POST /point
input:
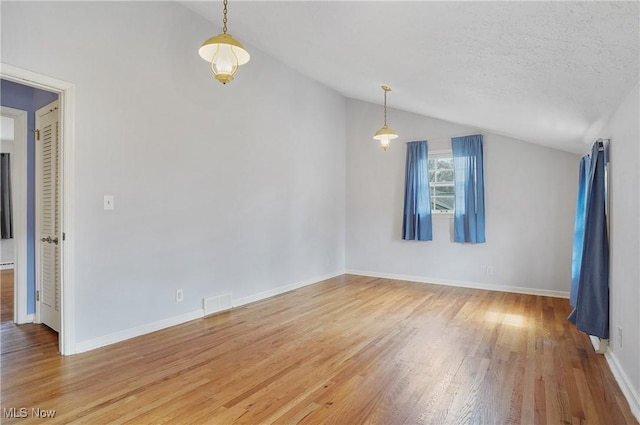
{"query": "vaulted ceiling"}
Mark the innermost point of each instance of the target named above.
(546, 72)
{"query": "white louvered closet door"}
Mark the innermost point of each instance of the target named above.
(48, 215)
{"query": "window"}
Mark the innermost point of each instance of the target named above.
(441, 182)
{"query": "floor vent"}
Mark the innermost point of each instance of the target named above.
(599, 345)
(6, 266)
(217, 304)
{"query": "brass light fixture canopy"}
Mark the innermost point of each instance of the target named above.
(385, 134)
(224, 53)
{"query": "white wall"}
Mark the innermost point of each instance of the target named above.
(6, 128)
(530, 195)
(7, 247)
(624, 354)
(237, 188)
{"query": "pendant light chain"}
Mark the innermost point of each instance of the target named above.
(224, 20)
(385, 108)
(385, 134)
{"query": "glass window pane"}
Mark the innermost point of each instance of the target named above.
(443, 190)
(439, 205)
(445, 163)
(444, 176)
(441, 179)
(443, 203)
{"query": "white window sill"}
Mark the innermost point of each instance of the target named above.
(442, 214)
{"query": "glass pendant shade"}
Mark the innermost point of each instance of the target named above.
(225, 54)
(385, 135)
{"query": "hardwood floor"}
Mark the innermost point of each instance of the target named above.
(6, 295)
(20, 338)
(349, 350)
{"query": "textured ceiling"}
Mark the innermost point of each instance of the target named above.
(545, 72)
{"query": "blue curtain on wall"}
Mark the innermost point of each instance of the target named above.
(416, 221)
(591, 312)
(578, 231)
(468, 219)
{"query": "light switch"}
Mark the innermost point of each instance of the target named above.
(108, 202)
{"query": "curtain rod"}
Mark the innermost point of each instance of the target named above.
(448, 138)
(604, 142)
(607, 141)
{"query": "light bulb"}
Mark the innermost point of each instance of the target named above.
(385, 142)
(224, 63)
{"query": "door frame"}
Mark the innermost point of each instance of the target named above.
(19, 195)
(66, 92)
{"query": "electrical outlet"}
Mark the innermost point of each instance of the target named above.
(179, 296)
(620, 336)
(489, 270)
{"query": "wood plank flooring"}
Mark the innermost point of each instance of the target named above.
(20, 338)
(6, 295)
(349, 350)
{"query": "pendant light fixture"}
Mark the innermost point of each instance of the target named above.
(385, 134)
(224, 53)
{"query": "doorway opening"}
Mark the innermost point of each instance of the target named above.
(26, 297)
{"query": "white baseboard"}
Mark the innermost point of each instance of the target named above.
(92, 344)
(282, 289)
(464, 284)
(7, 266)
(28, 318)
(630, 393)
(112, 338)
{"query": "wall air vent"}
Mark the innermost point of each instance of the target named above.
(217, 304)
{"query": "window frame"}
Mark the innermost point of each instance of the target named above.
(435, 154)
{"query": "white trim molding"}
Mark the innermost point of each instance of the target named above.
(624, 382)
(27, 318)
(125, 334)
(19, 182)
(464, 284)
(146, 328)
(282, 289)
(8, 265)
